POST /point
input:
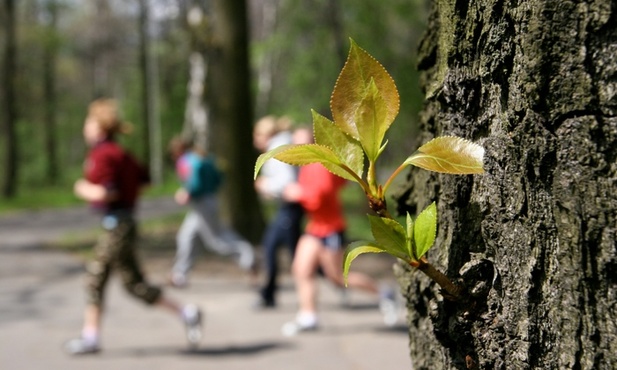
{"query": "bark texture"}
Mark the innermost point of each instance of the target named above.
(533, 239)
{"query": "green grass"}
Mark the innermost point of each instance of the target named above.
(44, 197)
(33, 198)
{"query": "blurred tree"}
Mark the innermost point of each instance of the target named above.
(296, 62)
(9, 109)
(196, 115)
(229, 98)
(151, 132)
(50, 12)
(533, 239)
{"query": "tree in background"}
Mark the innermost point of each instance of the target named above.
(151, 132)
(298, 48)
(196, 121)
(9, 106)
(49, 87)
(229, 97)
(532, 240)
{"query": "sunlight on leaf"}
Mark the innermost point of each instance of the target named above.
(347, 149)
(409, 239)
(351, 86)
(369, 121)
(389, 234)
(355, 249)
(300, 155)
(425, 230)
(449, 154)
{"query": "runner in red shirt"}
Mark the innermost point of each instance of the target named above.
(323, 242)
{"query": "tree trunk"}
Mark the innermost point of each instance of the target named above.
(8, 115)
(151, 134)
(49, 88)
(533, 239)
(196, 122)
(232, 117)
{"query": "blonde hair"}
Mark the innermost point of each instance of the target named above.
(105, 112)
(178, 145)
(271, 125)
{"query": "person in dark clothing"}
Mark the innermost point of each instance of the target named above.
(285, 228)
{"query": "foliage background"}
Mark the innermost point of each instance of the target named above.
(294, 46)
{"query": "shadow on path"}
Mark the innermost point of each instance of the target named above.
(211, 351)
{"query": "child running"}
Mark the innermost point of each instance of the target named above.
(201, 180)
(322, 244)
(111, 183)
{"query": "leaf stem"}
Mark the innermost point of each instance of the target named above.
(372, 179)
(359, 180)
(393, 176)
(455, 291)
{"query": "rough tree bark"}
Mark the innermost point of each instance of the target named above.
(533, 239)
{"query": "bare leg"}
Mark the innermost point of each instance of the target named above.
(170, 305)
(92, 322)
(332, 265)
(303, 268)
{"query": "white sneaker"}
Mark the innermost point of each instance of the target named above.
(293, 328)
(80, 346)
(177, 280)
(389, 307)
(191, 315)
(246, 258)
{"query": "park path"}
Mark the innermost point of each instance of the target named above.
(41, 301)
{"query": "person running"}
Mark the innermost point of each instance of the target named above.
(111, 184)
(285, 227)
(201, 180)
(322, 244)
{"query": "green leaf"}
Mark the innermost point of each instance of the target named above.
(355, 249)
(347, 149)
(425, 230)
(300, 155)
(449, 154)
(389, 234)
(351, 89)
(370, 121)
(263, 158)
(409, 239)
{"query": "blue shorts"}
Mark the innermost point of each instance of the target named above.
(334, 242)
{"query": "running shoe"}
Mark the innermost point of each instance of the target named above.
(80, 346)
(389, 307)
(192, 320)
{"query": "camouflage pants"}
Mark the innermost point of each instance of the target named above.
(115, 250)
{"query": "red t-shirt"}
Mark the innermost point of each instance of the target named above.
(109, 165)
(320, 200)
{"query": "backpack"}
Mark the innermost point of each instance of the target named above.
(210, 174)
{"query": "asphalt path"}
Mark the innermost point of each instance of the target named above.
(42, 299)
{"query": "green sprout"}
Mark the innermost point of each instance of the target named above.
(364, 103)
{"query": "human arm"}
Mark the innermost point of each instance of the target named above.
(275, 176)
(182, 196)
(92, 192)
(314, 183)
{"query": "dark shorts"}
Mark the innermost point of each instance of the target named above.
(333, 242)
(115, 250)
